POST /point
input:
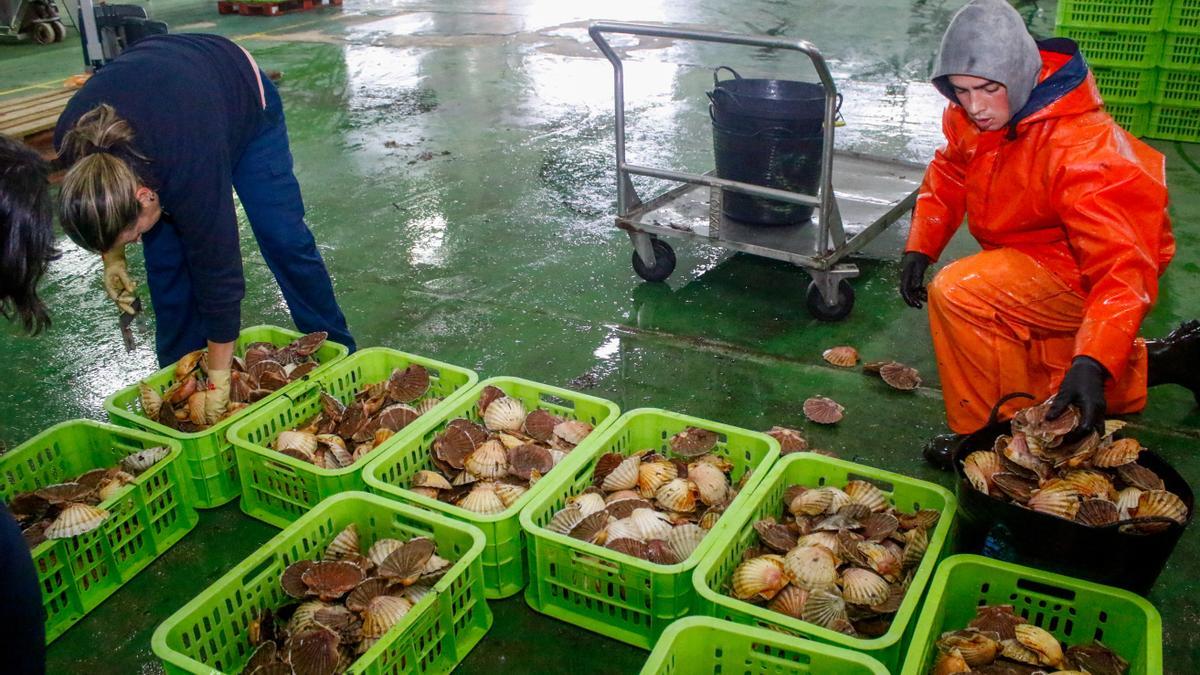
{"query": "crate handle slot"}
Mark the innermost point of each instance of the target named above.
(252, 578)
(556, 400)
(1046, 589)
(589, 560)
(281, 468)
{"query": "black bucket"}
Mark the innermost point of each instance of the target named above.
(767, 132)
(1106, 555)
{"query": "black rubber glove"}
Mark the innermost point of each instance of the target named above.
(1082, 387)
(912, 278)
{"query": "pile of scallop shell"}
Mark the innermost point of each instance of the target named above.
(999, 642)
(485, 468)
(839, 558)
(343, 604)
(264, 369)
(341, 435)
(1096, 481)
(72, 508)
(653, 506)
(895, 374)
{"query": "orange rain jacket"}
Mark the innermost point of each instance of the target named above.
(1067, 186)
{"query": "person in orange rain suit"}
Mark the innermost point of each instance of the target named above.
(1070, 211)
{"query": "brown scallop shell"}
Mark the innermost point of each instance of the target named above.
(789, 602)
(526, 458)
(406, 563)
(1138, 476)
(590, 528)
(775, 536)
(489, 394)
(633, 547)
(301, 370)
(408, 385)
(658, 551)
(823, 410)
(879, 526)
(790, 440)
(1015, 486)
(1097, 513)
(540, 424)
(454, 445)
(605, 465)
(1117, 453)
(331, 579)
(269, 374)
(63, 493)
(363, 593)
(307, 345)
(623, 508)
(1161, 504)
(395, 417)
(291, 579)
(999, 619)
(693, 442)
(314, 652)
(843, 357)
(353, 418)
(900, 376)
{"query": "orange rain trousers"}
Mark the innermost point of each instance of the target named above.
(1002, 323)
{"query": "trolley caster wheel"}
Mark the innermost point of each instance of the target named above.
(664, 262)
(824, 311)
(60, 31)
(43, 34)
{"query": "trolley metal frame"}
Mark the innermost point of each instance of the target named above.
(877, 191)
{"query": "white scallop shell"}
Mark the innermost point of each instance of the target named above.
(483, 498)
(504, 414)
(710, 481)
(624, 477)
(75, 520)
(489, 461)
(588, 503)
(683, 540)
(650, 524)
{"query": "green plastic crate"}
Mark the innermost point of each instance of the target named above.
(1174, 123)
(908, 494)
(276, 488)
(1147, 16)
(1075, 611)
(1132, 117)
(208, 635)
(146, 519)
(1118, 49)
(1184, 17)
(612, 593)
(1125, 85)
(1178, 88)
(504, 568)
(701, 644)
(1180, 51)
(208, 455)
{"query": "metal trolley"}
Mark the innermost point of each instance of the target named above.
(871, 193)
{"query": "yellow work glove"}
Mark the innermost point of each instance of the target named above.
(117, 284)
(216, 400)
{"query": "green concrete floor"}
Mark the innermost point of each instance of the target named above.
(501, 255)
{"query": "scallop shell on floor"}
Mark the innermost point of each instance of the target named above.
(823, 410)
(843, 357)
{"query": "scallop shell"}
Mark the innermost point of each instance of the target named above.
(843, 357)
(111, 486)
(811, 567)
(344, 545)
(572, 431)
(395, 417)
(624, 528)
(150, 399)
(761, 577)
(291, 580)
(331, 579)
(540, 424)
(299, 441)
(779, 538)
(269, 374)
(588, 503)
(900, 376)
(1091, 484)
(879, 526)
(998, 619)
(1161, 504)
(304, 615)
(979, 467)
(504, 414)
(710, 481)
(62, 493)
(1097, 513)
(650, 524)
(415, 592)
(489, 461)
(824, 608)
(1138, 476)
(916, 542)
(623, 508)
(605, 465)
(693, 442)
(187, 363)
(1061, 501)
(430, 479)
(435, 568)
(627, 546)
(408, 385)
(427, 404)
(862, 492)
(75, 519)
(790, 440)
(489, 394)
(381, 549)
(1117, 453)
(624, 476)
(483, 499)
(314, 651)
(678, 495)
(828, 540)
(382, 613)
(683, 540)
(654, 475)
(864, 587)
(361, 596)
(1042, 643)
(976, 647)
(1127, 501)
(405, 564)
(456, 443)
(811, 502)
(526, 458)
(590, 528)
(1014, 486)
(882, 559)
(195, 408)
(509, 494)
(823, 410)
(789, 601)
(565, 520)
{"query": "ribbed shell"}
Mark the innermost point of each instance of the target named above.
(75, 520)
(711, 483)
(811, 567)
(483, 499)
(489, 461)
(842, 357)
(682, 540)
(624, 476)
(678, 495)
(864, 587)
(823, 410)
(344, 545)
(504, 414)
(650, 524)
(862, 492)
(654, 475)
(761, 577)
(382, 613)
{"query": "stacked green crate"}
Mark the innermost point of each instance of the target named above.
(1122, 41)
(1175, 113)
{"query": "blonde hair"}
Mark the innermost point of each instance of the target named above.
(98, 198)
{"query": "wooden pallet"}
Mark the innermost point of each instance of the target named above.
(28, 116)
(272, 8)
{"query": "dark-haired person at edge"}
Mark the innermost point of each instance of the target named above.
(26, 248)
(156, 143)
(1071, 213)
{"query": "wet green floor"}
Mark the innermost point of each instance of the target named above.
(501, 255)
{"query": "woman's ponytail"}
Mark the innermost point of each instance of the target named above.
(98, 199)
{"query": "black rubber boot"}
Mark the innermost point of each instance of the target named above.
(939, 450)
(1175, 359)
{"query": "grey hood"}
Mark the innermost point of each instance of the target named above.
(988, 39)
